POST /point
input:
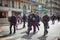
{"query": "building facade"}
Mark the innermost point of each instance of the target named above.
(19, 7)
(53, 6)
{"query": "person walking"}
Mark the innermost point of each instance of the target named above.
(18, 19)
(31, 22)
(45, 21)
(53, 19)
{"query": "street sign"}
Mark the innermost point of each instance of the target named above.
(39, 7)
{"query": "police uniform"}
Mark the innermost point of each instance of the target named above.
(31, 22)
(45, 22)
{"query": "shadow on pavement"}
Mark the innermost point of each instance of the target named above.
(19, 29)
(26, 31)
(28, 37)
(6, 35)
(23, 32)
(42, 38)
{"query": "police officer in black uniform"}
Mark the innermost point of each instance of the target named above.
(45, 21)
(31, 22)
(13, 21)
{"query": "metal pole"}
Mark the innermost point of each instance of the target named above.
(51, 7)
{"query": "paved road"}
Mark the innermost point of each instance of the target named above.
(54, 33)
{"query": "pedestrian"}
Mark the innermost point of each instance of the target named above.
(31, 22)
(24, 20)
(13, 21)
(45, 21)
(18, 19)
(53, 19)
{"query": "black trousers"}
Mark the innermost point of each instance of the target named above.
(53, 21)
(37, 25)
(23, 24)
(30, 27)
(11, 25)
(45, 31)
(46, 26)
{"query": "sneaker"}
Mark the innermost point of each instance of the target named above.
(45, 34)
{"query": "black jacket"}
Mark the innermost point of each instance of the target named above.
(45, 19)
(13, 20)
(33, 18)
(24, 17)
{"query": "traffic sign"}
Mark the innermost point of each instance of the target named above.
(39, 7)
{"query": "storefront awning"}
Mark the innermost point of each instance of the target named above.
(3, 11)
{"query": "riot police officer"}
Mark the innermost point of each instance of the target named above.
(45, 21)
(31, 22)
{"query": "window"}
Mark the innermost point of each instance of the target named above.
(2, 15)
(29, 0)
(0, 2)
(28, 7)
(31, 7)
(19, 4)
(6, 3)
(24, 7)
(12, 3)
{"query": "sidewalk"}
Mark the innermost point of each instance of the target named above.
(4, 24)
(53, 34)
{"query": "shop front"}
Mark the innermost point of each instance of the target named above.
(3, 16)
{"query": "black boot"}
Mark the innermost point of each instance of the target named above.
(27, 33)
(33, 32)
(10, 33)
(45, 33)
